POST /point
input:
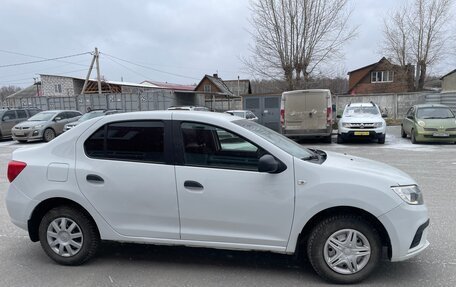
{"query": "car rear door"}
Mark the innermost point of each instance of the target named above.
(125, 170)
(223, 199)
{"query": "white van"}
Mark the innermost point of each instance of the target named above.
(307, 113)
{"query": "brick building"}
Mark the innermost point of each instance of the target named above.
(381, 77)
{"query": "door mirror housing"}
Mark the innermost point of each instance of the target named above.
(384, 115)
(56, 119)
(339, 116)
(410, 117)
(267, 163)
(5, 118)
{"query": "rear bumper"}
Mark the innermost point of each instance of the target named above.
(302, 133)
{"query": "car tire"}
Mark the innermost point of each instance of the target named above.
(68, 235)
(327, 139)
(403, 134)
(381, 140)
(331, 235)
(48, 135)
(340, 139)
(412, 137)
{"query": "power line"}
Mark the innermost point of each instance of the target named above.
(44, 60)
(150, 68)
(131, 70)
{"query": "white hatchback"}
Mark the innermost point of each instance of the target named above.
(212, 180)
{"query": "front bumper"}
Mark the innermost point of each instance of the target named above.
(362, 134)
(27, 135)
(407, 227)
(433, 136)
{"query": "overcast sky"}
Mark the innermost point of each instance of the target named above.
(175, 41)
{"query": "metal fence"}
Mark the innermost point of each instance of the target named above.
(146, 101)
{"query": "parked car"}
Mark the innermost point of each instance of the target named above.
(361, 120)
(307, 113)
(243, 114)
(90, 115)
(11, 117)
(45, 125)
(188, 108)
(240, 186)
(429, 123)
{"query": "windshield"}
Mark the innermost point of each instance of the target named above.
(277, 139)
(91, 115)
(354, 111)
(434, 113)
(43, 116)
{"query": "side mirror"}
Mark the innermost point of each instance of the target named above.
(339, 116)
(267, 163)
(384, 115)
(410, 117)
(5, 118)
(57, 119)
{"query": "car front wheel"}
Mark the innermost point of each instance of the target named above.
(48, 135)
(68, 235)
(344, 249)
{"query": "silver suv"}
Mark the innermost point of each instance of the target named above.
(11, 117)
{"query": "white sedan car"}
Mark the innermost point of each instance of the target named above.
(212, 180)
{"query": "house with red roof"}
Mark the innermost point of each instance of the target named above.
(381, 77)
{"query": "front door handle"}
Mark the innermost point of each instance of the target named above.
(193, 185)
(93, 178)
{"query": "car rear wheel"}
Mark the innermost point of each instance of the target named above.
(344, 249)
(68, 236)
(403, 134)
(48, 135)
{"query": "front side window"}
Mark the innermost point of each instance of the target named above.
(9, 115)
(210, 146)
(130, 141)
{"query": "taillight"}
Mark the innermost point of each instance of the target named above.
(329, 116)
(14, 169)
(282, 116)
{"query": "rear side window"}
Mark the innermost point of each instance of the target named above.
(21, 114)
(131, 141)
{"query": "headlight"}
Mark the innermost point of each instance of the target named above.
(421, 123)
(378, 125)
(409, 193)
(38, 126)
(346, 125)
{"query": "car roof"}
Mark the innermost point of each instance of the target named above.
(361, 105)
(190, 115)
(232, 111)
(431, 106)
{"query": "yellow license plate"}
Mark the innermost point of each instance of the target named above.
(361, 133)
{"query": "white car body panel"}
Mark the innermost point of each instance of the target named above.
(241, 210)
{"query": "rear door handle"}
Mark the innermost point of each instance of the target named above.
(93, 178)
(193, 185)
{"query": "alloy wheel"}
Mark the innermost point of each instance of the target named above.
(64, 237)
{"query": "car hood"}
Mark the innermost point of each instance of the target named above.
(439, 123)
(366, 168)
(29, 124)
(362, 118)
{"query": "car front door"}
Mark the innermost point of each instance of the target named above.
(408, 122)
(126, 172)
(223, 199)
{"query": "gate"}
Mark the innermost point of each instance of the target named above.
(266, 108)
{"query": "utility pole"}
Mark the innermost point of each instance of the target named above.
(96, 54)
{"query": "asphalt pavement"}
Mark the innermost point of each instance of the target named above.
(23, 263)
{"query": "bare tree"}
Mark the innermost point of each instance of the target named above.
(418, 33)
(6, 91)
(293, 37)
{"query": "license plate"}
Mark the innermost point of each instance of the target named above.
(361, 133)
(442, 135)
(19, 133)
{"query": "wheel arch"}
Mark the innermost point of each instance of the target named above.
(341, 210)
(43, 207)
